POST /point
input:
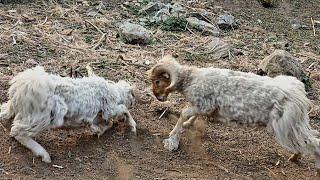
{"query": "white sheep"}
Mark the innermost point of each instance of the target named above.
(280, 103)
(39, 101)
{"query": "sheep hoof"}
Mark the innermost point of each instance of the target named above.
(172, 143)
(46, 159)
(294, 157)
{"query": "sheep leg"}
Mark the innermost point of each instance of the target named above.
(186, 114)
(123, 110)
(190, 122)
(35, 147)
(105, 128)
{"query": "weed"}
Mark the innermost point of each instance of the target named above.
(174, 23)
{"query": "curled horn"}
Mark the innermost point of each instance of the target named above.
(166, 68)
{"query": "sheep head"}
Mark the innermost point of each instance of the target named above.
(127, 93)
(164, 77)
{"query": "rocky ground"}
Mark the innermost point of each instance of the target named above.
(122, 40)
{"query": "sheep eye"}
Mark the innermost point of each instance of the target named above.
(157, 82)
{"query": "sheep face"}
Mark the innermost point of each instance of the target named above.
(164, 77)
(159, 86)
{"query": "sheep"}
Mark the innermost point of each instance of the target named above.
(279, 103)
(39, 101)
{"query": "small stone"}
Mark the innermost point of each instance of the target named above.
(31, 62)
(161, 15)
(227, 22)
(134, 33)
(176, 8)
(281, 62)
(147, 62)
(137, 4)
(203, 26)
(259, 21)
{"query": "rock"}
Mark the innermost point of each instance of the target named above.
(220, 49)
(203, 15)
(143, 21)
(176, 9)
(134, 33)
(296, 24)
(227, 22)
(281, 62)
(151, 7)
(31, 62)
(203, 26)
(161, 15)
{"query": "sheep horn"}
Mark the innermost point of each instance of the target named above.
(160, 69)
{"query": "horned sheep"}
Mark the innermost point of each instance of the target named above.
(279, 103)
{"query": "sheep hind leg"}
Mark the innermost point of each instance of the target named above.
(190, 122)
(35, 147)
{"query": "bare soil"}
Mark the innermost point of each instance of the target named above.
(60, 37)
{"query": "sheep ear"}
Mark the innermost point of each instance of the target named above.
(166, 75)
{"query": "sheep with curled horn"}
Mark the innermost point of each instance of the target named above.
(279, 103)
(39, 101)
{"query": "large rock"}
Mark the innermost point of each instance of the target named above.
(281, 62)
(203, 26)
(227, 22)
(134, 33)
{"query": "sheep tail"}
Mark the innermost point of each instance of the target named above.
(292, 129)
(6, 115)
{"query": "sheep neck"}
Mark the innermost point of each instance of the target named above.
(184, 78)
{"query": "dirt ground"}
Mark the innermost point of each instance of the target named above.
(63, 36)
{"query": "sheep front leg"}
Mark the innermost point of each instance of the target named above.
(35, 147)
(172, 143)
(190, 122)
(187, 114)
(123, 110)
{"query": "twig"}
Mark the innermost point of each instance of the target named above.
(174, 170)
(9, 151)
(222, 168)
(57, 166)
(311, 65)
(103, 37)
(94, 26)
(4, 128)
(314, 30)
(162, 114)
(44, 22)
